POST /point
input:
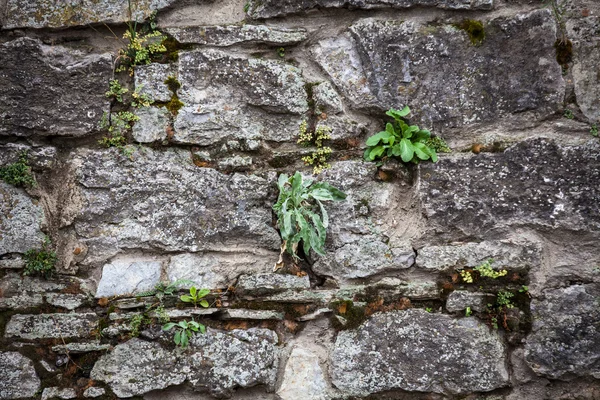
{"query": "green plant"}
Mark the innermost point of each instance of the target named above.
(438, 144)
(429, 309)
(503, 299)
(161, 290)
(468, 312)
(494, 322)
(568, 114)
(184, 331)
(116, 91)
(143, 46)
(135, 324)
(400, 140)
(40, 262)
(466, 276)
(594, 130)
(474, 29)
(486, 271)
(161, 314)
(18, 173)
(318, 158)
(297, 215)
(524, 289)
(196, 297)
(281, 52)
(117, 125)
(246, 7)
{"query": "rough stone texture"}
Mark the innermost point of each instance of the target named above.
(385, 64)
(277, 8)
(37, 157)
(230, 97)
(566, 332)
(19, 293)
(152, 125)
(150, 80)
(235, 34)
(261, 284)
(326, 99)
(52, 14)
(459, 300)
(93, 392)
(49, 326)
(137, 367)
(362, 242)
(78, 348)
(534, 183)
(214, 270)
(505, 255)
(418, 351)
(239, 313)
(224, 361)
(125, 205)
(303, 377)
(21, 220)
(585, 33)
(56, 91)
(66, 300)
(128, 276)
(56, 392)
(217, 361)
(19, 380)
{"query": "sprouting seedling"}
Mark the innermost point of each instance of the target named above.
(185, 330)
(196, 297)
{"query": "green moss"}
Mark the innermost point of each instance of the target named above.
(173, 84)
(474, 29)
(174, 105)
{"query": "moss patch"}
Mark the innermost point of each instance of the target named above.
(173, 84)
(474, 29)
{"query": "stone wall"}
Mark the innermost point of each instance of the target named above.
(386, 312)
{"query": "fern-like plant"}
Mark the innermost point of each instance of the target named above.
(301, 215)
(399, 139)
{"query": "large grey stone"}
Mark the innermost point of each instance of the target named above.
(58, 393)
(232, 97)
(506, 255)
(128, 276)
(585, 33)
(19, 380)
(534, 183)
(303, 377)
(415, 350)
(566, 332)
(37, 157)
(161, 200)
(224, 361)
(459, 300)
(361, 238)
(228, 35)
(261, 284)
(152, 125)
(59, 14)
(55, 91)
(441, 75)
(277, 8)
(137, 367)
(214, 270)
(49, 326)
(21, 220)
(150, 80)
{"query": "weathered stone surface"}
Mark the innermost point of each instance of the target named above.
(459, 300)
(383, 64)
(16, 294)
(586, 56)
(214, 270)
(303, 377)
(21, 220)
(418, 351)
(235, 34)
(125, 205)
(362, 242)
(152, 125)
(150, 80)
(137, 367)
(277, 8)
(261, 284)
(239, 313)
(230, 97)
(56, 392)
(505, 255)
(128, 276)
(93, 392)
(536, 182)
(78, 348)
(66, 300)
(57, 91)
(37, 157)
(566, 332)
(223, 361)
(19, 380)
(326, 99)
(52, 14)
(48, 326)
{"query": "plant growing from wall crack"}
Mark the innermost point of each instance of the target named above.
(184, 331)
(301, 216)
(18, 173)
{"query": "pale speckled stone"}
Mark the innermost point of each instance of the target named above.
(228, 35)
(19, 379)
(303, 377)
(152, 125)
(128, 276)
(261, 284)
(21, 220)
(93, 392)
(150, 80)
(58, 393)
(238, 313)
(51, 326)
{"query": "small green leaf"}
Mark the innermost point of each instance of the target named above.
(203, 293)
(183, 324)
(168, 326)
(202, 329)
(406, 150)
(204, 303)
(177, 337)
(434, 156)
(324, 214)
(193, 291)
(421, 150)
(185, 298)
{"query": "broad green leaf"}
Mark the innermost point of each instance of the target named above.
(324, 214)
(204, 303)
(307, 182)
(297, 184)
(183, 324)
(184, 340)
(422, 134)
(421, 151)
(396, 150)
(322, 194)
(376, 138)
(389, 128)
(177, 337)
(186, 298)
(406, 150)
(168, 326)
(283, 178)
(202, 329)
(398, 114)
(434, 156)
(366, 154)
(193, 291)
(335, 192)
(376, 152)
(203, 292)
(193, 324)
